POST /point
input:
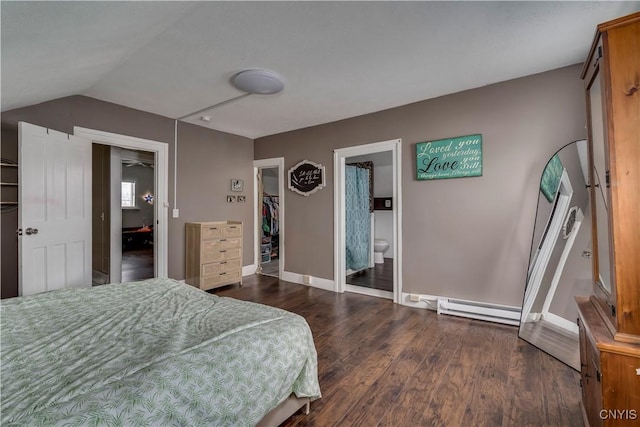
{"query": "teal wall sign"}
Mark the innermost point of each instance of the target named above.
(449, 158)
(551, 175)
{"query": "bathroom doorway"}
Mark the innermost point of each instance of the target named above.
(369, 223)
(269, 224)
(367, 212)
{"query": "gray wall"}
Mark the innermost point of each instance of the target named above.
(207, 160)
(468, 237)
(143, 213)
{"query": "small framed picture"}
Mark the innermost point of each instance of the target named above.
(242, 199)
(231, 199)
(237, 185)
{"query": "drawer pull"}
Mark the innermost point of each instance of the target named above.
(233, 226)
(223, 240)
(223, 262)
(213, 228)
(222, 274)
(223, 251)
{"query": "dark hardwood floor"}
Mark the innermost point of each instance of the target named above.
(379, 277)
(271, 268)
(558, 342)
(137, 264)
(382, 364)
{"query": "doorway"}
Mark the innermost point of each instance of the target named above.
(369, 279)
(137, 194)
(149, 227)
(122, 193)
(269, 216)
(369, 223)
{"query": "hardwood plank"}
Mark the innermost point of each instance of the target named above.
(388, 388)
(378, 277)
(409, 408)
(388, 365)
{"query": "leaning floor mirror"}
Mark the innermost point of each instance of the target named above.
(559, 264)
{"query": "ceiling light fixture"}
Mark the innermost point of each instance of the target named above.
(258, 81)
(253, 81)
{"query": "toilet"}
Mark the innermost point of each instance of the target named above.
(379, 248)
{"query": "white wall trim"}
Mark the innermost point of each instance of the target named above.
(339, 156)
(275, 162)
(115, 225)
(561, 322)
(249, 270)
(498, 313)
(561, 263)
(315, 282)
(161, 151)
(369, 291)
(542, 257)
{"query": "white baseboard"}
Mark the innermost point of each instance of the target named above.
(316, 282)
(368, 291)
(561, 322)
(249, 270)
(490, 312)
(533, 317)
(429, 302)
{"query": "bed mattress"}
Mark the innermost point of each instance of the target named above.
(156, 352)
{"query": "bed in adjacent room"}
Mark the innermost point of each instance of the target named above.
(156, 352)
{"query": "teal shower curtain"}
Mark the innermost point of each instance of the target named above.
(358, 218)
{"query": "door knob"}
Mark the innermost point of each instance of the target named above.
(29, 231)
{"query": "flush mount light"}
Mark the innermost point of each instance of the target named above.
(262, 82)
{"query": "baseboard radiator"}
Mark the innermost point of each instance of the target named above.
(505, 314)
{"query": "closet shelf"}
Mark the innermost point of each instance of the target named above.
(9, 206)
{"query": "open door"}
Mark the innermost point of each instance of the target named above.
(54, 223)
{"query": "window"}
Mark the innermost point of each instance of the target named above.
(128, 194)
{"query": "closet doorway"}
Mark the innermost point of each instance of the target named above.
(368, 254)
(269, 224)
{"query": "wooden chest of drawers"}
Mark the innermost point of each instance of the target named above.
(213, 253)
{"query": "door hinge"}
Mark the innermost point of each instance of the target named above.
(607, 179)
(613, 310)
(19, 231)
(598, 56)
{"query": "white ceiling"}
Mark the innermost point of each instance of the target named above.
(338, 59)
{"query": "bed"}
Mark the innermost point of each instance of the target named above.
(156, 352)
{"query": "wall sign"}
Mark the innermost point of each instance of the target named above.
(551, 176)
(449, 158)
(306, 177)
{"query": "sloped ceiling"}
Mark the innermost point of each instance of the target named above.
(338, 59)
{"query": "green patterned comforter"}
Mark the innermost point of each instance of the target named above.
(151, 353)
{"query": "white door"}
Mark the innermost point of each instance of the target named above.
(55, 210)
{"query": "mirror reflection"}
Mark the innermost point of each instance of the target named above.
(560, 261)
(599, 178)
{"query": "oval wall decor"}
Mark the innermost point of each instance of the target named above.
(306, 177)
